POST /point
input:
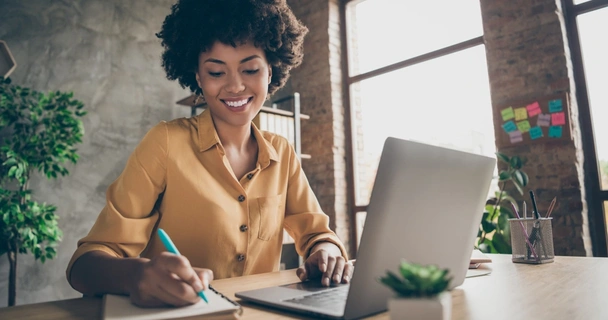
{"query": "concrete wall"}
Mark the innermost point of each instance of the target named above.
(105, 51)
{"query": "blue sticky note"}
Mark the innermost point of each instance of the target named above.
(555, 131)
(509, 126)
(555, 105)
(536, 132)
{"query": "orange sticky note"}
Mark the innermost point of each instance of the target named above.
(558, 118)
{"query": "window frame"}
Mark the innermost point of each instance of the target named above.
(595, 196)
(348, 80)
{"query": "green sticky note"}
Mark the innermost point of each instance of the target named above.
(507, 114)
(536, 132)
(509, 126)
(523, 126)
(555, 132)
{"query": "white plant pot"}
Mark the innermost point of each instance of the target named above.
(435, 308)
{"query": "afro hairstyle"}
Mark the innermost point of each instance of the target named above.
(194, 26)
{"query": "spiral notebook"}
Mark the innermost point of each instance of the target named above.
(120, 307)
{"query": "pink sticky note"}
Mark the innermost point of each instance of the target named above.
(533, 109)
(558, 119)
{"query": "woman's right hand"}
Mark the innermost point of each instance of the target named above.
(168, 279)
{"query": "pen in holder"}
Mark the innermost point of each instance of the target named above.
(532, 240)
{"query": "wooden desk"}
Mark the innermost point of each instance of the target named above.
(569, 288)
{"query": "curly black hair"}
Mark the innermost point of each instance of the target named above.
(193, 26)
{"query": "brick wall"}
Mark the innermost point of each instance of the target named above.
(528, 57)
(319, 81)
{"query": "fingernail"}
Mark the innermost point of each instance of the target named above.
(197, 286)
(337, 278)
(346, 278)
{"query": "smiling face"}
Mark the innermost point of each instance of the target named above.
(234, 81)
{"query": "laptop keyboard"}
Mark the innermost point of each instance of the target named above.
(327, 299)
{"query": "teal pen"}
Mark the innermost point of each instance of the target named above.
(164, 237)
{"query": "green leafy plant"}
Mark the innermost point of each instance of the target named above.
(39, 132)
(417, 280)
(494, 235)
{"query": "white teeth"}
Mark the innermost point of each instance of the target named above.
(237, 103)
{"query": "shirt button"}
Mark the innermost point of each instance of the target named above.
(250, 176)
(240, 257)
(241, 198)
(243, 228)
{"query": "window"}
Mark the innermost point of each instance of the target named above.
(417, 70)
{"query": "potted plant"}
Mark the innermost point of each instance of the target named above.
(494, 235)
(420, 292)
(38, 132)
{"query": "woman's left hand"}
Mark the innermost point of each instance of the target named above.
(327, 263)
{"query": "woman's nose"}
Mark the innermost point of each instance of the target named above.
(235, 84)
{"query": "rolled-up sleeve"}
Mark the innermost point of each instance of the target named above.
(125, 224)
(305, 221)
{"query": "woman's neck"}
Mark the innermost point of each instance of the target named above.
(234, 138)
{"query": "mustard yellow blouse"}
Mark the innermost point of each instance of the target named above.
(179, 179)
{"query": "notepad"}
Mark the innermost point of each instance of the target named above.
(477, 258)
(120, 307)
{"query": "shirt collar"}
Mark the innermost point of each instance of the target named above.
(207, 138)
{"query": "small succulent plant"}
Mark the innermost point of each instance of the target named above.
(417, 280)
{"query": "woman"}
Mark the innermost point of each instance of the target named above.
(218, 186)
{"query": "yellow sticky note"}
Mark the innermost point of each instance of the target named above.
(521, 114)
(523, 126)
(507, 114)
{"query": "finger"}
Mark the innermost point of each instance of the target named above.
(338, 270)
(206, 276)
(348, 273)
(301, 273)
(180, 266)
(176, 293)
(329, 271)
(322, 261)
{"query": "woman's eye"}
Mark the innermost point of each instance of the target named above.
(215, 74)
(252, 71)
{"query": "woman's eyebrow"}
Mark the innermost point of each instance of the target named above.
(222, 62)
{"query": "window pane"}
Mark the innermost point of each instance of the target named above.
(579, 1)
(592, 27)
(382, 32)
(445, 101)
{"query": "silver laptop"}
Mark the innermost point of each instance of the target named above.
(426, 206)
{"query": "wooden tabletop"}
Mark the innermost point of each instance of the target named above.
(569, 288)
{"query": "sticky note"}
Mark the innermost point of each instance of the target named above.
(536, 132)
(555, 132)
(523, 126)
(509, 126)
(533, 109)
(555, 105)
(521, 114)
(558, 119)
(543, 120)
(516, 136)
(507, 114)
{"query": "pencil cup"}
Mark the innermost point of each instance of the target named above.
(532, 240)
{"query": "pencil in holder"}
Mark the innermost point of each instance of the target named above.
(532, 240)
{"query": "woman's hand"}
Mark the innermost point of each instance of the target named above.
(168, 279)
(327, 263)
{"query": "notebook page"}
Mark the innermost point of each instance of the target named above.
(120, 307)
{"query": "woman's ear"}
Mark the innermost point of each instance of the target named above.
(198, 80)
(269, 74)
